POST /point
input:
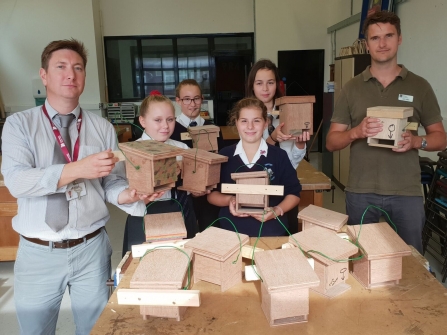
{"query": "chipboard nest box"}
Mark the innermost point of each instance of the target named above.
(204, 137)
(252, 191)
(215, 252)
(162, 269)
(383, 252)
(332, 274)
(164, 227)
(395, 122)
(286, 278)
(157, 165)
(201, 170)
(297, 114)
(314, 215)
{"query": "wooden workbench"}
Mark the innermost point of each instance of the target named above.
(417, 305)
(9, 239)
(313, 183)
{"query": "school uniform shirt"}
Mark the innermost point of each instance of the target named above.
(295, 154)
(281, 172)
(167, 194)
(182, 124)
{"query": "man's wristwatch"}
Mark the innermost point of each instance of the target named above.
(423, 143)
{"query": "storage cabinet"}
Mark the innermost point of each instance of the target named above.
(345, 69)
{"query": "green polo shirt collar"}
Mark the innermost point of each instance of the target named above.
(367, 73)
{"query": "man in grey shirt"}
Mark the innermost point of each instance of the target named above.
(57, 162)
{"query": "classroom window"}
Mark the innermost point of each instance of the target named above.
(137, 65)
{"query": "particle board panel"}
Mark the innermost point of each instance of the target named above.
(379, 240)
(326, 242)
(163, 312)
(323, 217)
(217, 243)
(156, 162)
(204, 137)
(162, 269)
(8, 236)
(285, 269)
(296, 113)
(383, 270)
(8, 209)
(165, 226)
(389, 112)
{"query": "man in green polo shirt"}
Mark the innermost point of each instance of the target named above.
(386, 178)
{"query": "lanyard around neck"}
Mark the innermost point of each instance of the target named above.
(60, 140)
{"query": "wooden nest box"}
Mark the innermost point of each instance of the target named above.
(252, 191)
(164, 270)
(314, 215)
(204, 137)
(383, 252)
(164, 226)
(215, 252)
(286, 278)
(201, 170)
(297, 114)
(395, 122)
(332, 274)
(157, 165)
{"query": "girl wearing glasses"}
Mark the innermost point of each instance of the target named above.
(253, 153)
(189, 98)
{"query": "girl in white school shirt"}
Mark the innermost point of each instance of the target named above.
(251, 154)
(263, 83)
(157, 116)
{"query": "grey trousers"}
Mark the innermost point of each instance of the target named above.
(406, 212)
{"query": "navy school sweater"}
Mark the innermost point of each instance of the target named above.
(281, 173)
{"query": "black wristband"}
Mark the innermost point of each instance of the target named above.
(273, 139)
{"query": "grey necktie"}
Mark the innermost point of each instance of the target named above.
(56, 215)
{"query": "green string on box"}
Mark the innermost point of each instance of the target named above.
(179, 249)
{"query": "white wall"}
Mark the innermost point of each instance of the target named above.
(26, 27)
(166, 17)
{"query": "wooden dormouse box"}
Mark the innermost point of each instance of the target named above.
(332, 274)
(297, 114)
(162, 269)
(164, 226)
(286, 278)
(157, 165)
(215, 253)
(314, 215)
(204, 137)
(395, 122)
(252, 190)
(382, 261)
(201, 170)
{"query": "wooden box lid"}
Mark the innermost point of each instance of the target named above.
(151, 149)
(164, 226)
(204, 156)
(162, 268)
(379, 240)
(325, 241)
(390, 112)
(203, 129)
(216, 243)
(245, 175)
(323, 217)
(302, 99)
(285, 269)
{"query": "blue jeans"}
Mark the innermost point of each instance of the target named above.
(406, 212)
(42, 274)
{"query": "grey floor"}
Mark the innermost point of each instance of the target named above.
(115, 229)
